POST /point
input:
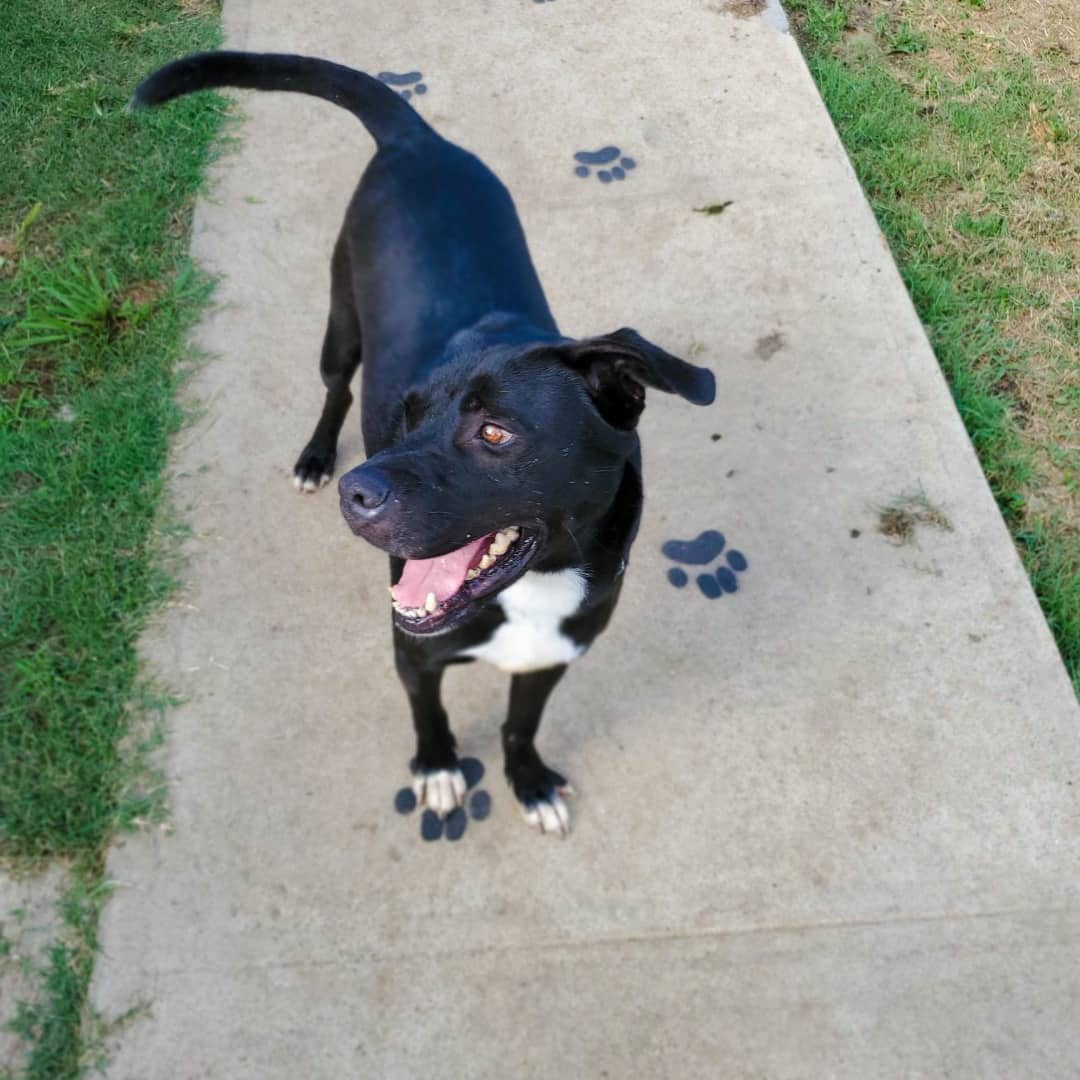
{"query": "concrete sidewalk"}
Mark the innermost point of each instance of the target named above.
(879, 879)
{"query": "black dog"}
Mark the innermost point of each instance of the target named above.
(504, 469)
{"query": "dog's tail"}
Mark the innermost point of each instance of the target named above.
(386, 115)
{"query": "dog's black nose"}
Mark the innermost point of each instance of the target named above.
(365, 493)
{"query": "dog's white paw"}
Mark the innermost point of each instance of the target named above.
(540, 793)
(308, 484)
(551, 815)
(314, 467)
(441, 790)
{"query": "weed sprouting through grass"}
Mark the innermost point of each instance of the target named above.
(75, 305)
(822, 22)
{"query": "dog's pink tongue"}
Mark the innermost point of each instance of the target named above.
(442, 576)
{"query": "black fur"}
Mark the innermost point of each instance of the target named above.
(434, 290)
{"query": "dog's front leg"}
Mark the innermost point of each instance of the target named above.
(437, 780)
(538, 789)
(341, 356)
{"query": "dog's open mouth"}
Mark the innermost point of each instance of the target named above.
(434, 594)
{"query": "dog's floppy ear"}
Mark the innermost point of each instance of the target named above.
(617, 367)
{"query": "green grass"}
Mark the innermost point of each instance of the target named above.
(96, 296)
(93, 321)
(921, 143)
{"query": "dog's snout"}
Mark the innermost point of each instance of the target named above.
(365, 493)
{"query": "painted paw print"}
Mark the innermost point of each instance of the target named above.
(410, 82)
(704, 549)
(604, 156)
(453, 826)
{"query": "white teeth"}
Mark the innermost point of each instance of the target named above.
(498, 546)
(503, 539)
(410, 612)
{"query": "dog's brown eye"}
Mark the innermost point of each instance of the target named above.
(494, 435)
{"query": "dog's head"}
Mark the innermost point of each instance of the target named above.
(503, 456)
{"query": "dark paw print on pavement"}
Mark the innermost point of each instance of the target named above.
(586, 159)
(453, 826)
(408, 83)
(704, 549)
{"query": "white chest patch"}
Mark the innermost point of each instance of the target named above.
(530, 639)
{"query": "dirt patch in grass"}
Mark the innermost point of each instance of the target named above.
(1046, 32)
(9, 254)
(144, 293)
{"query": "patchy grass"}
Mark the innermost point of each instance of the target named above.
(52, 1026)
(962, 121)
(96, 296)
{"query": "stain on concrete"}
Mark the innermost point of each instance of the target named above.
(713, 209)
(905, 513)
(744, 9)
(770, 11)
(769, 345)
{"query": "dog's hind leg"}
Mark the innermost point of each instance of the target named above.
(539, 790)
(437, 780)
(341, 355)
